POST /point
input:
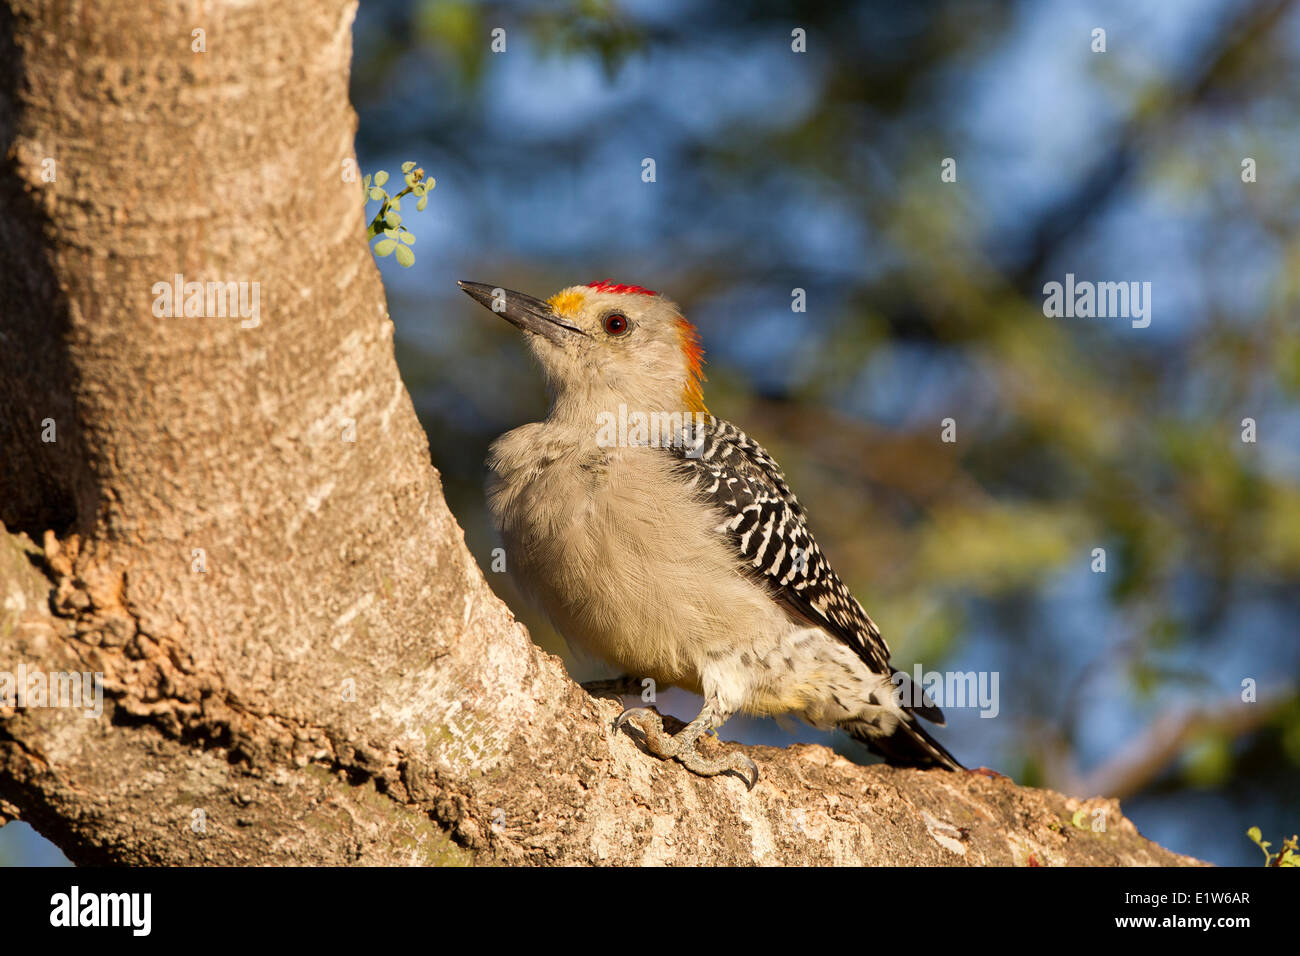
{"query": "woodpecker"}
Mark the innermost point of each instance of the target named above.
(688, 561)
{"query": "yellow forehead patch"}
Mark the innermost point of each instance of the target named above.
(567, 302)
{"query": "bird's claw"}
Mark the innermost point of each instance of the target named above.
(734, 763)
(682, 749)
(748, 770)
(631, 712)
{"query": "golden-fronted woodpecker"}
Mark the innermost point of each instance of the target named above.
(668, 543)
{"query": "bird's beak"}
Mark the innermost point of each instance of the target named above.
(529, 314)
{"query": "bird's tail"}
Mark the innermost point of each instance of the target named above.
(894, 730)
(907, 745)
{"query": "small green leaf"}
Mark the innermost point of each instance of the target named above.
(1255, 834)
(393, 219)
(408, 165)
(377, 194)
(396, 203)
(385, 247)
(390, 233)
(405, 257)
(365, 183)
(407, 237)
(381, 177)
(430, 183)
(424, 201)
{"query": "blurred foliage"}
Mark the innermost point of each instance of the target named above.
(820, 171)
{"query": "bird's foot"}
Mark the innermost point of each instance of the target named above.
(681, 747)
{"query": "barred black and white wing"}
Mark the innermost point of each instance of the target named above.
(768, 527)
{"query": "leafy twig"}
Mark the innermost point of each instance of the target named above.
(1289, 855)
(388, 221)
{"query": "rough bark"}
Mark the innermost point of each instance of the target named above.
(340, 685)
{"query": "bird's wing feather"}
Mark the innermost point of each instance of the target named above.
(766, 524)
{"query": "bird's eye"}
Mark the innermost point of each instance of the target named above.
(616, 323)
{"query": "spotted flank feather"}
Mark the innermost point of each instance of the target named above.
(768, 526)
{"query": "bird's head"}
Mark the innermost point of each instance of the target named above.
(606, 344)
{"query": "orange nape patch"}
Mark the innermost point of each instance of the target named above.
(567, 302)
(693, 392)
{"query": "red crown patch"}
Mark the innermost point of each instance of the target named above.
(605, 285)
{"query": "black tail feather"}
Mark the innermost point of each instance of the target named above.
(910, 745)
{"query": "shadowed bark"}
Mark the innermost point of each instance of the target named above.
(239, 526)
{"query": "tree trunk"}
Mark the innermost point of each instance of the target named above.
(238, 525)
